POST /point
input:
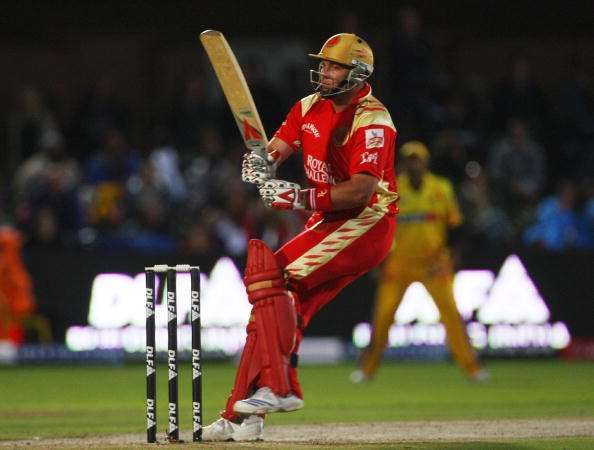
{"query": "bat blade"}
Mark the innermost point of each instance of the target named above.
(236, 90)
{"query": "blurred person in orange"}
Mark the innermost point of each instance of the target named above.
(17, 301)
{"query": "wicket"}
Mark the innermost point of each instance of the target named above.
(151, 380)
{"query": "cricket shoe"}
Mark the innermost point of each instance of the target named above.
(250, 429)
(265, 401)
(480, 376)
(358, 377)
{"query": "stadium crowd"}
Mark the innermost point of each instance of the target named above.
(520, 155)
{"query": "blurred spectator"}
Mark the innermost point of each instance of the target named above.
(519, 95)
(46, 193)
(557, 223)
(166, 166)
(105, 208)
(410, 70)
(209, 169)
(266, 96)
(450, 156)
(199, 237)
(114, 161)
(486, 223)
(99, 112)
(148, 202)
(49, 168)
(411, 52)
(575, 102)
(575, 122)
(455, 112)
(192, 110)
(237, 224)
(26, 125)
(106, 173)
(587, 213)
(516, 168)
(479, 107)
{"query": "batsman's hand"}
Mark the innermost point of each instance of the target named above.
(256, 169)
(281, 194)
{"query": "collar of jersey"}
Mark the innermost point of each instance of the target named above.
(364, 92)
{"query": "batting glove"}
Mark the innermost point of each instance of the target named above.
(280, 194)
(257, 169)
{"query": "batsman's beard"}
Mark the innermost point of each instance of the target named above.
(315, 78)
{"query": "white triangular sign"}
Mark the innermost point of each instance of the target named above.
(172, 374)
(150, 370)
(224, 298)
(418, 305)
(171, 316)
(513, 297)
(195, 315)
(172, 427)
(195, 374)
(149, 312)
(150, 422)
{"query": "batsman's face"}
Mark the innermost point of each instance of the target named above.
(332, 74)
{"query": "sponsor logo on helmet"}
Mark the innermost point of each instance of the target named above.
(333, 41)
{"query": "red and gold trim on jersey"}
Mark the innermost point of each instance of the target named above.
(323, 252)
(308, 102)
(370, 112)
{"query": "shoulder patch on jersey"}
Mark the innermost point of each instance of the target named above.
(308, 102)
(374, 137)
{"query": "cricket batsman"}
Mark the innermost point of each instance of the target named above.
(428, 213)
(347, 141)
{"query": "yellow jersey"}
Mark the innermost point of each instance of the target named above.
(425, 217)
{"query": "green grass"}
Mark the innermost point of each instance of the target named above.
(48, 402)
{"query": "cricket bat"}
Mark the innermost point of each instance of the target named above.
(236, 90)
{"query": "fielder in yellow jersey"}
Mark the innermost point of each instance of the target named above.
(428, 213)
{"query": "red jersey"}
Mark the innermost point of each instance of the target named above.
(337, 145)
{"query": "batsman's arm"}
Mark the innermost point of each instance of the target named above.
(278, 151)
(353, 193)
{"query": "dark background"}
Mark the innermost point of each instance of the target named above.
(469, 18)
(147, 47)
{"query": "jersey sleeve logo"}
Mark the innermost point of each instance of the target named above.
(369, 158)
(374, 138)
